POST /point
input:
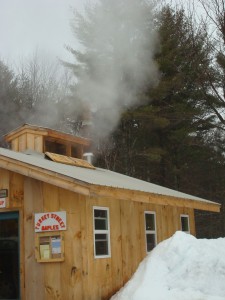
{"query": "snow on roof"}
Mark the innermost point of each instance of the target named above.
(180, 268)
(97, 176)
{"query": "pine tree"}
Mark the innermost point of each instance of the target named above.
(159, 136)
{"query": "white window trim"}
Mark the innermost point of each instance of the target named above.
(107, 231)
(150, 231)
(185, 216)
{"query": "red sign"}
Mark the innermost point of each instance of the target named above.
(2, 202)
(50, 221)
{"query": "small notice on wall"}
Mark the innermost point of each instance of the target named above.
(44, 251)
(49, 247)
(50, 221)
(3, 197)
(56, 246)
(2, 202)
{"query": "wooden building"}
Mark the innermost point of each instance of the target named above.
(69, 230)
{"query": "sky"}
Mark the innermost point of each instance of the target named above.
(28, 25)
(179, 268)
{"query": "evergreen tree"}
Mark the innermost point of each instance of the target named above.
(158, 136)
(174, 140)
(169, 135)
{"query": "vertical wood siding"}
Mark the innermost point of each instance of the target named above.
(81, 276)
(27, 141)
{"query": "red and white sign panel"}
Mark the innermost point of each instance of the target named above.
(2, 202)
(50, 221)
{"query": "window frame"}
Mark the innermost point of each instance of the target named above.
(188, 219)
(102, 231)
(152, 232)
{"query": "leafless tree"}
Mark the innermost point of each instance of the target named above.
(215, 12)
(44, 87)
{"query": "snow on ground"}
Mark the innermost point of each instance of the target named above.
(180, 268)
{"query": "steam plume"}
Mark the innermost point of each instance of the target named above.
(119, 42)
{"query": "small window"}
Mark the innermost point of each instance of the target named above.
(150, 230)
(101, 232)
(184, 220)
(55, 147)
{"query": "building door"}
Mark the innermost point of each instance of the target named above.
(9, 256)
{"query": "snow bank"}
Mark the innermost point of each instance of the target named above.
(180, 268)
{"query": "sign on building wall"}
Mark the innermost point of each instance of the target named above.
(3, 197)
(2, 202)
(50, 221)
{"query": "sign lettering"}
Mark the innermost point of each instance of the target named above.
(2, 202)
(51, 221)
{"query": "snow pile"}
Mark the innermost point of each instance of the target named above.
(180, 268)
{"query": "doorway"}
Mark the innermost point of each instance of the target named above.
(9, 256)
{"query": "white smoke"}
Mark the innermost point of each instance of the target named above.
(119, 43)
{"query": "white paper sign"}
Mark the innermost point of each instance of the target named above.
(56, 245)
(2, 202)
(50, 221)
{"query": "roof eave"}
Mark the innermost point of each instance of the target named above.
(153, 198)
(89, 189)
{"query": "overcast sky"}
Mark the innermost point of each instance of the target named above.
(27, 25)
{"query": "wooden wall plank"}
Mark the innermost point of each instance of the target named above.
(92, 290)
(30, 141)
(52, 271)
(130, 238)
(72, 268)
(170, 221)
(4, 179)
(15, 144)
(22, 142)
(84, 245)
(164, 217)
(34, 276)
(136, 234)
(38, 143)
(192, 222)
(159, 223)
(16, 193)
(22, 254)
(116, 274)
(176, 218)
(142, 246)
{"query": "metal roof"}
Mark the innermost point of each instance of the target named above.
(96, 176)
